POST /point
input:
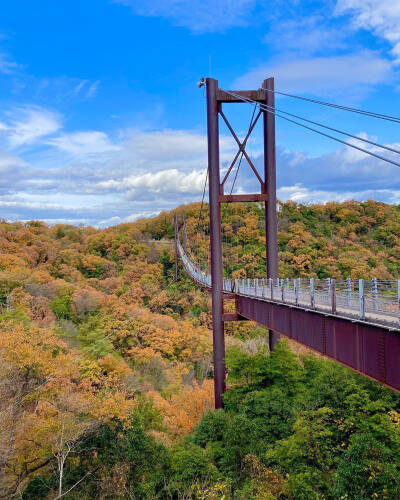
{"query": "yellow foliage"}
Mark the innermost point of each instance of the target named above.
(51, 397)
(182, 411)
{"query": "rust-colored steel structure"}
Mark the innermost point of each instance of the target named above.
(370, 347)
(215, 99)
(215, 240)
(271, 223)
(371, 350)
(176, 248)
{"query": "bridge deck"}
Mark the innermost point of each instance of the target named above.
(328, 323)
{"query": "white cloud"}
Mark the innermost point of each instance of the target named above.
(164, 181)
(306, 35)
(30, 204)
(92, 90)
(169, 144)
(200, 17)
(84, 143)
(112, 221)
(302, 194)
(62, 87)
(352, 155)
(26, 125)
(87, 177)
(79, 86)
(321, 74)
(380, 16)
(7, 66)
(168, 149)
(8, 161)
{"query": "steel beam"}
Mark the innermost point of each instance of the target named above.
(231, 198)
(271, 223)
(215, 240)
(230, 316)
(368, 349)
(255, 95)
(176, 246)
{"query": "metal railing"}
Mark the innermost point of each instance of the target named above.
(374, 301)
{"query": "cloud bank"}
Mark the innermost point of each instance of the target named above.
(380, 16)
(93, 178)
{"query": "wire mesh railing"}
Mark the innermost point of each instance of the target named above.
(375, 301)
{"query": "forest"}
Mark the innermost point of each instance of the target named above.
(106, 376)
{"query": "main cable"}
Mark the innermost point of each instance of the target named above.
(335, 130)
(338, 106)
(265, 108)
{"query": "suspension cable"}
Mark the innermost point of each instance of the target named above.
(338, 106)
(335, 130)
(201, 207)
(266, 108)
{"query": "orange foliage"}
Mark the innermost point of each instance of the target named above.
(182, 411)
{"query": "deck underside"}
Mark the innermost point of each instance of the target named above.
(368, 349)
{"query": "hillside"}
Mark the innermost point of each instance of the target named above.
(106, 365)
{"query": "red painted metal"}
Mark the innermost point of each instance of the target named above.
(231, 198)
(271, 222)
(215, 98)
(242, 146)
(176, 246)
(229, 316)
(215, 241)
(372, 350)
(255, 95)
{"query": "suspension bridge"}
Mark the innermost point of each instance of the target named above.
(354, 322)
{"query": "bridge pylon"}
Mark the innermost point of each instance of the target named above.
(215, 99)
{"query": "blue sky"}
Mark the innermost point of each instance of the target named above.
(101, 120)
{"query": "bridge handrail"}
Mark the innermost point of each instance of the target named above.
(374, 301)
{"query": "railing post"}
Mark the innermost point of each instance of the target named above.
(375, 293)
(348, 288)
(312, 296)
(333, 295)
(361, 298)
(296, 291)
(328, 285)
(271, 285)
(283, 290)
(248, 286)
(256, 287)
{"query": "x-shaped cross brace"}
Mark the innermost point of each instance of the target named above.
(242, 148)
